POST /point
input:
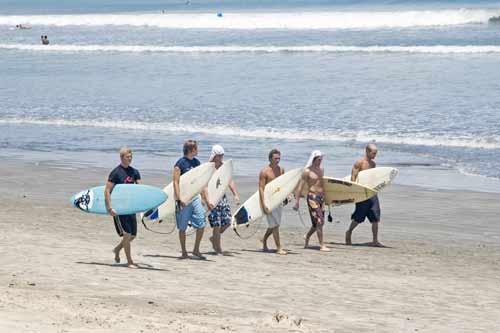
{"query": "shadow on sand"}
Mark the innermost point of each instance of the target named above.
(141, 266)
(191, 257)
(368, 244)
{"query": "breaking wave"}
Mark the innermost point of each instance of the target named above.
(274, 20)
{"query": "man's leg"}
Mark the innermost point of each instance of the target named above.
(322, 246)
(117, 250)
(268, 233)
(276, 236)
(182, 240)
(307, 236)
(348, 234)
(215, 239)
(127, 239)
(199, 236)
(375, 234)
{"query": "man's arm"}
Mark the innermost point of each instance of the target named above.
(300, 186)
(176, 176)
(262, 186)
(232, 187)
(355, 170)
(107, 197)
(205, 199)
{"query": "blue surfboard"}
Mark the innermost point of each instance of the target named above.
(125, 199)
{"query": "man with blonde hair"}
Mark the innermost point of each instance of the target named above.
(125, 225)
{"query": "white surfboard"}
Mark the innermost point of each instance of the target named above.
(340, 191)
(376, 178)
(275, 193)
(219, 182)
(191, 184)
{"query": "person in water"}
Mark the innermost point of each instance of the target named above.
(45, 40)
(312, 177)
(268, 174)
(125, 225)
(369, 208)
(188, 211)
(220, 212)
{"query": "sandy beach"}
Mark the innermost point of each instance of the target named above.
(439, 272)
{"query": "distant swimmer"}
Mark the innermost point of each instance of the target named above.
(23, 26)
(369, 208)
(494, 19)
(45, 40)
(313, 178)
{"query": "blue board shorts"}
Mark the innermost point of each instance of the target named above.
(125, 224)
(193, 212)
(367, 209)
(221, 214)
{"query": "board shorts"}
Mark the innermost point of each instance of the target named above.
(316, 205)
(367, 209)
(274, 219)
(221, 214)
(125, 224)
(194, 213)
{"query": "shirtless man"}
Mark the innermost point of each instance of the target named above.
(270, 172)
(369, 208)
(313, 177)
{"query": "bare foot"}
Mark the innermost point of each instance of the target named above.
(281, 252)
(184, 256)
(376, 244)
(117, 256)
(348, 238)
(325, 248)
(306, 242)
(132, 265)
(199, 256)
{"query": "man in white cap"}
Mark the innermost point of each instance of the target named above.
(220, 212)
(313, 178)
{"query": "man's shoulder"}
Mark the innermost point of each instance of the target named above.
(116, 169)
(180, 161)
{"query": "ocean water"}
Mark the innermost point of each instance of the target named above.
(418, 78)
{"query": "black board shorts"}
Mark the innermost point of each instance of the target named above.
(125, 223)
(367, 209)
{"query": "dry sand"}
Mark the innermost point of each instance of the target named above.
(440, 271)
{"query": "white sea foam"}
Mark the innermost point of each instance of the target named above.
(430, 49)
(275, 133)
(274, 20)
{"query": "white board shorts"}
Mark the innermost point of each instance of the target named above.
(274, 219)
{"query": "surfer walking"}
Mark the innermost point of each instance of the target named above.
(188, 211)
(369, 208)
(125, 225)
(313, 178)
(269, 173)
(220, 213)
